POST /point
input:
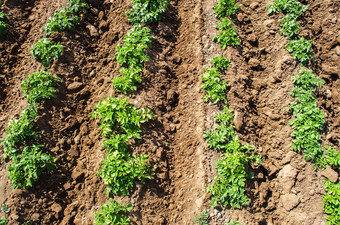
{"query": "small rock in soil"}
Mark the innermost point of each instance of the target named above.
(268, 22)
(238, 120)
(56, 208)
(290, 201)
(75, 86)
(337, 50)
(254, 63)
(288, 158)
(330, 174)
(93, 30)
(177, 59)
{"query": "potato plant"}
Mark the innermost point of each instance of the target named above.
(220, 63)
(301, 50)
(147, 11)
(39, 86)
(214, 86)
(113, 213)
(293, 7)
(3, 25)
(225, 8)
(309, 119)
(45, 51)
(331, 202)
(202, 219)
(120, 171)
(27, 166)
(289, 26)
(66, 18)
(131, 56)
(227, 35)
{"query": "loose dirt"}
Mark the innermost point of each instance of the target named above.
(285, 189)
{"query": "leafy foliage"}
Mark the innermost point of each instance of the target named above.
(117, 116)
(113, 213)
(232, 222)
(220, 63)
(27, 167)
(331, 202)
(45, 51)
(19, 132)
(119, 172)
(3, 220)
(66, 18)
(214, 86)
(309, 119)
(227, 35)
(228, 187)
(62, 20)
(3, 25)
(293, 7)
(132, 56)
(202, 219)
(225, 8)
(301, 50)
(5, 208)
(147, 11)
(289, 26)
(77, 6)
(332, 157)
(39, 86)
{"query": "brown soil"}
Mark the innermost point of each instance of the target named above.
(285, 189)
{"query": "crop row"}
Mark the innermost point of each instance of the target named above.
(309, 119)
(228, 187)
(3, 24)
(121, 121)
(21, 144)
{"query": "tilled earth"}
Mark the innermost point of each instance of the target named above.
(285, 189)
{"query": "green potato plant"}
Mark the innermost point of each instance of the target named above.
(113, 213)
(131, 55)
(331, 202)
(301, 50)
(287, 6)
(45, 51)
(3, 25)
(202, 219)
(147, 11)
(214, 86)
(289, 26)
(225, 8)
(27, 166)
(220, 63)
(39, 86)
(227, 35)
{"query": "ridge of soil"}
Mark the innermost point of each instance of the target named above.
(260, 82)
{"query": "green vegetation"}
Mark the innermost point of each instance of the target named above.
(332, 157)
(309, 119)
(214, 86)
(117, 116)
(20, 145)
(19, 132)
(3, 220)
(132, 57)
(39, 86)
(287, 6)
(3, 25)
(227, 35)
(119, 172)
(66, 18)
(220, 63)
(301, 50)
(202, 219)
(147, 11)
(232, 222)
(114, 213)
(225, 8)
(331, 202)
(45, 51)
(289, 26)
(27, 166)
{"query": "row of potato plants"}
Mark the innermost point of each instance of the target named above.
(66, 18)
(3, 22)
(309, 119)
(21, 145)
(228, 187)
(121, 121)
